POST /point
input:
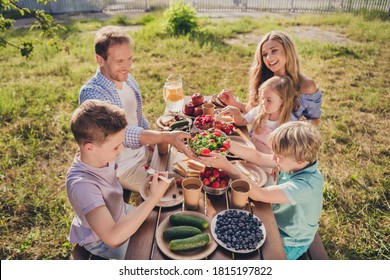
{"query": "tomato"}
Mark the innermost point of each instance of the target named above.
(222, 150)
(226, 144)
(212, 140)
(217, 133)
(205, 152)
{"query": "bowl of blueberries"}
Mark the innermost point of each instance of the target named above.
(238, 231)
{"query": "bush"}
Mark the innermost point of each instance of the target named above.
(181, 18)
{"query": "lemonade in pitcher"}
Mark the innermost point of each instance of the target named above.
(174, 93)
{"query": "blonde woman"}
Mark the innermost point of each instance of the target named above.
(276, 55)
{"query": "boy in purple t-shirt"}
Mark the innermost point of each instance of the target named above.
(103, 224)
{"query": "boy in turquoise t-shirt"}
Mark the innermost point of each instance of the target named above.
(297, 196)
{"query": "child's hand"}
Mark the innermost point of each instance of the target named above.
(230, 110)
(227, 97)
(217, 161)
(158, 186)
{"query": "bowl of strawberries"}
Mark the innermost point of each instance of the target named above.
(204, 122)
(215, 181)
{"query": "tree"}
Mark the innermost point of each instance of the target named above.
(44, 22)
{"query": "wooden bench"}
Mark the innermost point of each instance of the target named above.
(316, 250)
(79, 253)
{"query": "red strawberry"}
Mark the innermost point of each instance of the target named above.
(205, 152)
(206, 181)
(208, 173)
(215, 185)
(223, 183)
(146, 167)
(178, 182)
(215, 173)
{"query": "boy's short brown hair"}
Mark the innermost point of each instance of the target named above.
(108, 36)
(94, 120)
(297, 140)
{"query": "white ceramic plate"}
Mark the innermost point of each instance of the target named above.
(168, 200)
(257, 171)
(195, 254)
(166, 127)
(214, 226)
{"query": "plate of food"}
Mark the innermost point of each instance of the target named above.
(227, 127)
(185, 235)
(173, 195)
(238, 231)
(253, 172)
(203, 143)
(174, 122)
(204, 122)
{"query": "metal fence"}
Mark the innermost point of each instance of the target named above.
(313, 6)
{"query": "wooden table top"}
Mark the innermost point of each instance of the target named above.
(143, 246)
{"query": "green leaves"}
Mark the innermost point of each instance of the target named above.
(26, 48)
(182, 19)
(44, 22)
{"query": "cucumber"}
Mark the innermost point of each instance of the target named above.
(187, 220)
(180, 232)
(178, 124)
(196, 241)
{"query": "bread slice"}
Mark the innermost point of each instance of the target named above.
(217, 101)
(195, 165)
(166, 120)
(179, 170)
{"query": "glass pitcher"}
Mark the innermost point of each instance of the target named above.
(173, 93)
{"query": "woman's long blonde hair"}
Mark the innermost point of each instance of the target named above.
(259, 73)
(283, 87)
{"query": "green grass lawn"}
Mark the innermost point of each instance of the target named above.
(38, 96)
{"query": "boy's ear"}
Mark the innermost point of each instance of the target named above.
(88, 147)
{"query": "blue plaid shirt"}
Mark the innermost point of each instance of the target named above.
(102, 88)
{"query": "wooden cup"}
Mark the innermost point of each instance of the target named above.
(240, 193)
(192, 188)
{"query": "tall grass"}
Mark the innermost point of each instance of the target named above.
(38, 96)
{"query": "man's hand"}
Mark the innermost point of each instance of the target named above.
(176, 139)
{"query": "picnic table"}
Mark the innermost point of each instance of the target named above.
(143, 245)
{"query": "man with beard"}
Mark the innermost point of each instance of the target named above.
(113, 83)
